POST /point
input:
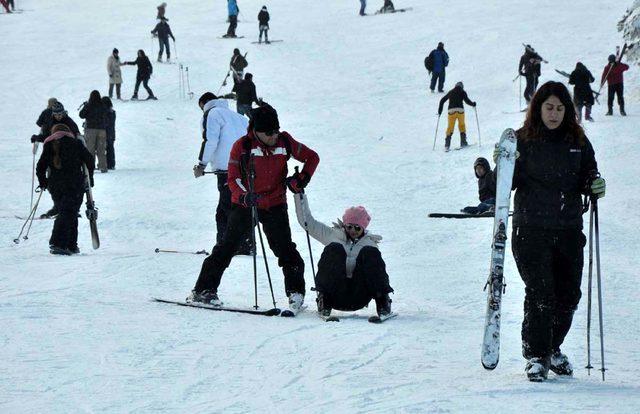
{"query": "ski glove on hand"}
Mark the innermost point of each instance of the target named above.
(598, 187)
(249, 199)
(198, 170)
(297, 182)
(496, 154)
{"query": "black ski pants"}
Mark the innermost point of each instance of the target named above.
(275, 222)
(65, 227)
(233, 23)
(615, 90)
(145, 83)
(531, 87)
(550, 264)
(369, 279)
(223, 211)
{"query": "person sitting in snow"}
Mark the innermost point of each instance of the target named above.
(486, 188)
(387, 7)
(351, 271)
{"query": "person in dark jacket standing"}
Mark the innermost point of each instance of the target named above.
(486, 187)
(555, 166)
(245, 95)
(581, 78)
(51, 117)
(529, 67)
(456, 97)
(63, 157)
(440, 59)
(263, 25)
(163, 31)
(145, 69)
(268, 150)
(237, 64)
(613, 75)
(95, 129)
(111, 132)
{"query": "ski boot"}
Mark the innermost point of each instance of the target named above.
(622, 111)
(59, 251)
(463, 140)
(134, 98)
(447, 143)
(152, 98)
(296, 300)
(323, 307)
(383, 304)
(537, 369)
(609, 112)
(74, 250)
(208, 297)
(560, 364)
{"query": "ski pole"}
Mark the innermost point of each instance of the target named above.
(189, 84)
(436, 134)
(175, 48)
(180, 80)
(594, 206)
(589, 284)
(33, 172)
(520, 94)
(313, 269)
(224, 81)
(478, 124)
(29, 219)
(158, 250)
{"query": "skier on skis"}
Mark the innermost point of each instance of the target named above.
(529, 67)
(163, 32)
(456, 97)
(613, 75)
(245, 91)
(52, 116)
(115, 73)
(60, 171)
(95, 130)
(221, 128)
(351, 270)
(582, 93)
(263, 25)
(237, 65)
(145, 69)
(387, 7)
(265, 150)
(233, 10)
(486, 188)
(555, 166)
(440, 60)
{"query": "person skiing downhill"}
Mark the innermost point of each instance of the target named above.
(439, 60)
(60, 171)
(486, 188)
(456, 97)
(581, 78)
(613, 76)
(233, 10)
(163, 32)
(145, 69)
(555, 165)
(351, 271)
(263, 150)
(263, 25)
(529, 67)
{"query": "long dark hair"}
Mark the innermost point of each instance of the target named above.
(95, 98)
(533, 125)
(106, 101)
(141, 53)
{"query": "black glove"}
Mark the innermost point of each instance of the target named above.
(297, 182)
(249, 199)
(439, 112)
(474, 104)
(35, 138)
(41, 187)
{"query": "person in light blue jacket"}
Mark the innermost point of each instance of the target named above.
(233, 10)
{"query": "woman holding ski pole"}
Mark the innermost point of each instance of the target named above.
(554, 167)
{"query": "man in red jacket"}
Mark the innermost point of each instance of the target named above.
(612, 74)
(267, 150)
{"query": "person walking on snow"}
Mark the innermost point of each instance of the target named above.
(163, 31)
(439, 59)
(233, 10)
(555, 166)
(221, 128)
(145, 69)
(351, 271)
(486, 188)
(613, 75)
(60, 171)
(95, 115)
(456, 97)
(581, 78)
(263, 25)
(529, 67)
(265, 150)
(115, 74)
(111, 132)
(245, 95)
(46, 113)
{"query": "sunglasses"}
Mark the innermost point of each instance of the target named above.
(352, 227)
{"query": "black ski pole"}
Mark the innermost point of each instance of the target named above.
(594, 206)
(589, 284)
(313, 268)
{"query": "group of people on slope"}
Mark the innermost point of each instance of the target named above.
(145, 69)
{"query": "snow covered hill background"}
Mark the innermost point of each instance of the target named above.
(79, 334)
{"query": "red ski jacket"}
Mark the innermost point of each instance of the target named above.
(615, 75)
(270, 165)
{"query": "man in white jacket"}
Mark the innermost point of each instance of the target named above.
(221, 128)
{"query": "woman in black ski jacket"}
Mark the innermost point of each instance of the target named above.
(582, 78)
(63, 158)
(555, 166)
(95, 128)
(145, 69)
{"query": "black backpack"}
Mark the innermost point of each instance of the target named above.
(428, 62)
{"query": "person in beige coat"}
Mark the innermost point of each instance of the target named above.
(115, 74)
(351, 271)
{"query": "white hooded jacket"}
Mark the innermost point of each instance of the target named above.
(221, 128)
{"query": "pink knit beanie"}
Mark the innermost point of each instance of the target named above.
(356, 215)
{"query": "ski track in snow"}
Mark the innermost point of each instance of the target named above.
(81, 335)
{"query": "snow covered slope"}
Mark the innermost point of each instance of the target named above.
(80, 334)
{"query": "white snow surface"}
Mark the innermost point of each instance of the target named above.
(79, 334)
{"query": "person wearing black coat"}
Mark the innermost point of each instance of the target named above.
(95, 128)
(245, 95)
(111, 132)
(486, 187)
(555, 167)
(163, 31)
(263, 25)
(237, 64)
(60, 170)
(581, 78)
(50, 117)
(529, 67)
(46, 114)
(145, 69)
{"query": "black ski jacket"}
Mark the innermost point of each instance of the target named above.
(95, 116)
(111, 125)
(581, 79)
(549, 178)
(486, 183)
(44, 115)
(246, 92)
(455, 97)
(238, 63)
(51, 121)
(144, 68)
(67, 176)
(530, 64)
(263, 18)
(163, 31)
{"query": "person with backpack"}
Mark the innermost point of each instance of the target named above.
(221, 128)
(436, 63)
(263, 25)
(529, 67)
(486, 188)
(245, 91)
(111, 133)
(95, 114)
(237, 64)
(351, 271)
(60, 170)
(581, 79)
(613, 76)
(115, 73)
(233, 10)
(263, 152)
(457, 97)
(145, 69)
(163, 32)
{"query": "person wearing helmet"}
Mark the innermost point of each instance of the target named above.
(456, 97)
(613, 75)
(486, 187)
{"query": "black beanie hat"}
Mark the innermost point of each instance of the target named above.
(265, 119)
(115, 50)
(206, 97)
(612, 58)
(57, 108)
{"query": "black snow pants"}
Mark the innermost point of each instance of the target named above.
(532, 85)
(369, 279)
(65, 227)
(275, 222)
(550, 264)
(233, 23)
(223, 211)
(615, 90)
